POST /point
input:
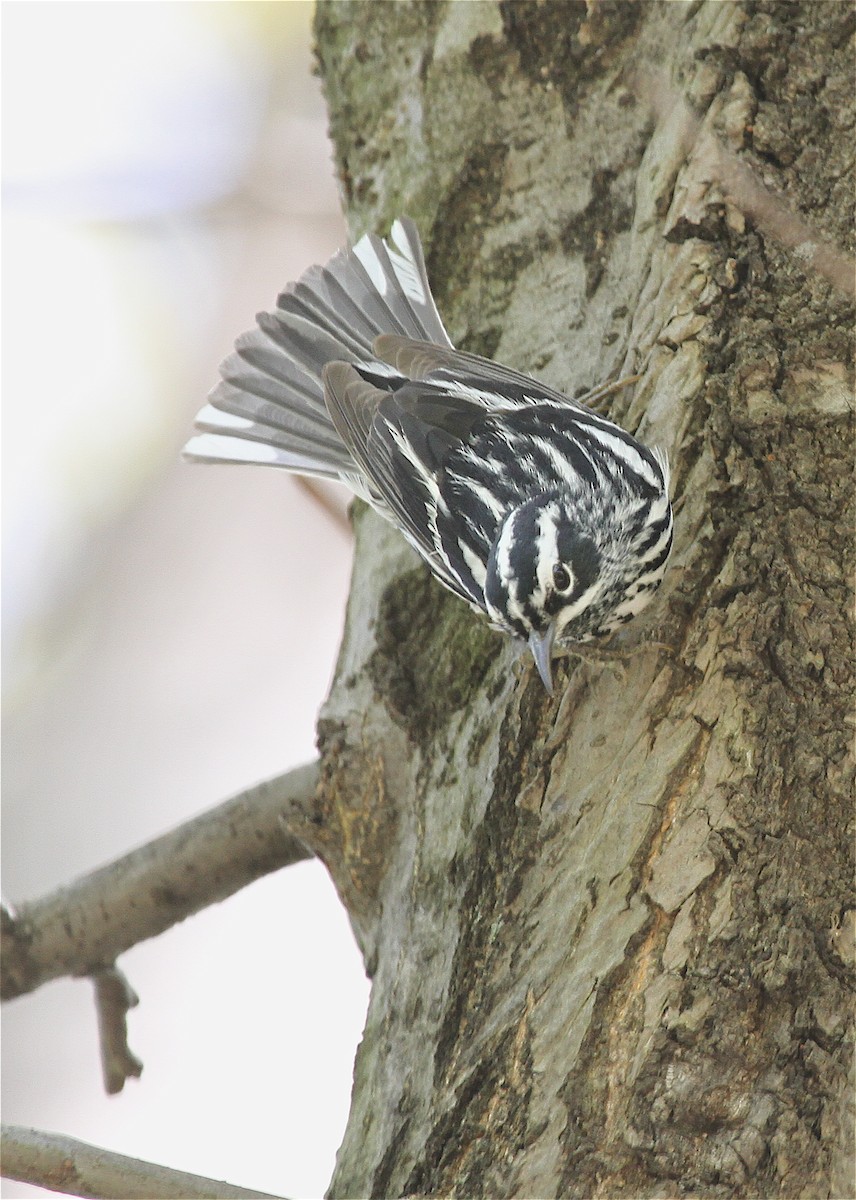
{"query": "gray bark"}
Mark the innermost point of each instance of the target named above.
(609, 932)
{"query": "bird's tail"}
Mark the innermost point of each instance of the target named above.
(269, 405)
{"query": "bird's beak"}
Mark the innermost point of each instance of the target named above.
(541, 646)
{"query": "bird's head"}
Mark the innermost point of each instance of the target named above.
(543, 573)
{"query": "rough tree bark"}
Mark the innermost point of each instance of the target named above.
(609, 931)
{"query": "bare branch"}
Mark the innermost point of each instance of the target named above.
(63, 1164)
(82, 928)
(113, 997)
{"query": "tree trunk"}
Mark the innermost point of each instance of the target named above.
(608, 931)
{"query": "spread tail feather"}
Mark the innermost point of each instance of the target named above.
(269, 406)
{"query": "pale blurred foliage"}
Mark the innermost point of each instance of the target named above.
(170, 630)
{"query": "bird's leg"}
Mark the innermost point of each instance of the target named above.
(612, 657)
(597, 399)
(605, 656)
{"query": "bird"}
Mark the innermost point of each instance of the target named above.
(533, 508)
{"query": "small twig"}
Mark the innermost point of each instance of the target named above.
(63, 1164)
(83, 928)
(322, 497)
(113, 997)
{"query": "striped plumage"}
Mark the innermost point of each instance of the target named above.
(531, 507)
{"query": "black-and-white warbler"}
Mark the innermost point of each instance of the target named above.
(531, 507)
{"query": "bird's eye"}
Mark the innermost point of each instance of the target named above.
(561, 577)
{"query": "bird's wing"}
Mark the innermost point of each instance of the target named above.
(482, 380)
(401, 440)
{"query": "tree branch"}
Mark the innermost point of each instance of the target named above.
(63, 1164)
(82, 928)
(114, 996)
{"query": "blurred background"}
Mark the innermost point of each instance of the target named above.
(170, 630)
